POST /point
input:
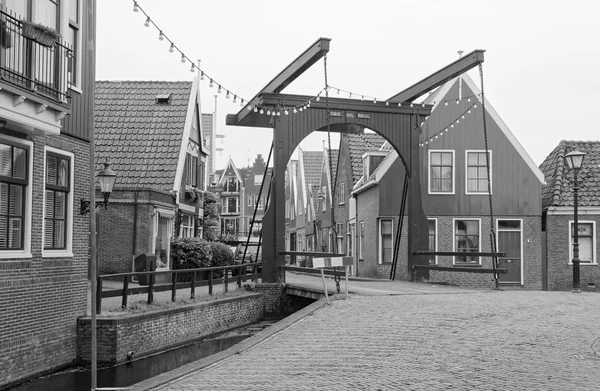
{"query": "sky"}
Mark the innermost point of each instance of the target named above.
(540, 71)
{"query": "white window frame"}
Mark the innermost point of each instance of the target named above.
(67, 252)
(485, 192)
(64, 16)
(380, 258)
(258, 178)
(435, 220)
(189, 228)
(26, 252)
(594, 244)
(169, 215)
(453, 172)
(361, 236)
(454, 240)
(250, 198)
(225, 205)
(341, 194)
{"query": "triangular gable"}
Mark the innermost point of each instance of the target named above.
(193, 107)
(230, 167)
(377, 175)
(439, 97)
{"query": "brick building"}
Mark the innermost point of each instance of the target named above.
(455, 196)
(558, 203)
(151, 134)
(45, 123)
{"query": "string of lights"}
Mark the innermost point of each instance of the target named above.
(162, 36)
(456, 121)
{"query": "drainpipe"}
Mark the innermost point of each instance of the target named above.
(135, 220)
(356, 234)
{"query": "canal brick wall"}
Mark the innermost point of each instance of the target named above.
(156, 331)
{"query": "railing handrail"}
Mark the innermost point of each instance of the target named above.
(176, 271)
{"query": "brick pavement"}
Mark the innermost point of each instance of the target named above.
(512, 340)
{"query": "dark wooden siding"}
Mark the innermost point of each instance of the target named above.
(516, 190)
(80, 122)
(390, 189)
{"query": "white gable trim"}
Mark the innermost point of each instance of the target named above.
(186, 135)
(235, 170)
(504, 128)
(302, 176)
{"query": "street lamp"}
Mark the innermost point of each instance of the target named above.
(575, 161)
(106, 178)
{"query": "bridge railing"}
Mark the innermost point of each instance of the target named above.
(198, 277)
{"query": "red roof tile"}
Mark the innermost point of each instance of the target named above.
(139, 137)
(558, 190)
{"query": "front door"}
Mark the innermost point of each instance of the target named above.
(509, 241)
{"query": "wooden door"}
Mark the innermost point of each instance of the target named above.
(509, 241)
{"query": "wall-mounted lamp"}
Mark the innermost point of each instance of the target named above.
(107, 178)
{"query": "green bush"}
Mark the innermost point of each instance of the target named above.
(221, 256)
(190, 253)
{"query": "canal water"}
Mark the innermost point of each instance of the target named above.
(137, 370)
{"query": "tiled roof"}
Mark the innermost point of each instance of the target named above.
(358, 144)
(140, 138)
(312, 167)
(207, 133)
(558, 190)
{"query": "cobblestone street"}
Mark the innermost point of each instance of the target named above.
(493, 340)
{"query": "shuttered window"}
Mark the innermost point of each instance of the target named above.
(13, 182)
(57, 195)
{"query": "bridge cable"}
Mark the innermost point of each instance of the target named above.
(489, 184)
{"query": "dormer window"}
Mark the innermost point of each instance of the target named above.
(163, 98)
(232, 184)
(371, 161)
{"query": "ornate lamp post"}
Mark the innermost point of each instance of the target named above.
(575, 161)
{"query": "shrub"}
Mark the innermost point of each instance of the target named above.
(221, 256)
(190, 253)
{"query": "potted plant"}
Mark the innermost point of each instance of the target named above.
(43, 35)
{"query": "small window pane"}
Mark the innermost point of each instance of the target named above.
(5, 160)
(49, 204)
(472, 159)
(59, 227)
(14, 233)
(482, 159)
(436, 158)
(51, 170)
(63, 172)
(15, 207)
(472, 227)
(3, 232)
(482, 173)
(472, 185)
(446, 172)
(74, 10)
(447, 159)
(386, 227)
(509, 224)
(4, 198)
(60, 205)
(19, 163)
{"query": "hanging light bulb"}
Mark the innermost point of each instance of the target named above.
(211, 83)
(375, 100)
(301, 109)
(426, 141)
(242, 102)
(286, 112)
(318, 98)
(446, 130)
(161, 36)
(423, 105)
(463, 117)
(436, 136)
(457, 101)
(458, 121)
(411, 105)
(295, 110)
(273, 113)
(249, 108)
(452, 125)
(349, 95)
(136, 8)
(183, 57)
(468, 99)
(234, 99)
(338, 91)
(172, 48)
(387, 103)
(474, 106)
(362, 97)
(422, 123)
(308, 104)
(469, 111)
(426, 118)
(399, 104)
(227, 95)
(446, 103)
(192, 68)
(147, 22)
(261, 111)
(219, 90)
(268, 112)
(201, 75)
(255, 109)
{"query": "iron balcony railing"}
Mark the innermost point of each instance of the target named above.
(32, 65)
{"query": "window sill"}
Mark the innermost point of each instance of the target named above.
(474, 265)
(7, 255)
(440, 193)
(584, 264)
(75, 89)
(57, 254)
